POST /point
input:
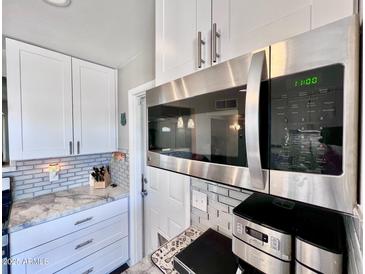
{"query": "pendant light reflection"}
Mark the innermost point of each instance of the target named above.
(235, 126)
(191, 123)
(180, 122)
(166, 129)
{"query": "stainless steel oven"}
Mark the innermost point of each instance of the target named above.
(281, 120)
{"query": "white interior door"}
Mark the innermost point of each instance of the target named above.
(166, 195)
(167, 206)
(39, 101)
(94, 94)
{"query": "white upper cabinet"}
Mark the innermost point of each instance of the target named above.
(245, 25)
(230, 28)
(328, 11)
(94, 90)
(40, 101)
(177, 26)
(53, 114)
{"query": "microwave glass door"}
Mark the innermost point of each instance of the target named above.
(208, 128)
(307, 121)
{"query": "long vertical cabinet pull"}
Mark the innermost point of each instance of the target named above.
(200, 44)
(215, 36)
(78, 147)
(71, 146)
(252, 126)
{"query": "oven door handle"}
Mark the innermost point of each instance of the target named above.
(252, 124)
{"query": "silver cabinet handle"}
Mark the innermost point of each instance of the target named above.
(83, 244)
(252, 120)
(91, 269)
(70, 145)
(215, 36)
(84, 220)
(200, 43)
(78, 147)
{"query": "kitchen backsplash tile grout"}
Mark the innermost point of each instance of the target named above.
(221, 200)
(31, 177)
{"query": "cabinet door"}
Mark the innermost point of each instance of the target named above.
(328, 11)
(40, 101)
(177, 26)
(94, 90)
(246, 25)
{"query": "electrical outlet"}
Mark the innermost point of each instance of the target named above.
(54, 172)
(53, 176)
(200, 200)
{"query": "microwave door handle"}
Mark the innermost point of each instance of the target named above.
(252, 124)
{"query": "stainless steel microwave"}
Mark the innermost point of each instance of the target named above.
(281, 120)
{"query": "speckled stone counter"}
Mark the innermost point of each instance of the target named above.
(29, 212)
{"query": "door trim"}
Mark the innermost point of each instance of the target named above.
(135, 198)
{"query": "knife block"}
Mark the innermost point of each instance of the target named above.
(101, 184)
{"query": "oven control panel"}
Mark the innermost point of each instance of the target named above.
(307, 121)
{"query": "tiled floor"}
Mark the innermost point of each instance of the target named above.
(120, 269)
(146, 266)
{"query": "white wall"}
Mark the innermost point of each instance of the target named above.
(137, 72)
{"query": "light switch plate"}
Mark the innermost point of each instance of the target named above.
(200, 200)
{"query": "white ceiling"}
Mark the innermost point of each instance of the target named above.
(108, 32)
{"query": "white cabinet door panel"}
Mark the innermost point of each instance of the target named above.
(246, 25)
(94, 89)
(328, 11)
(40, 101)
(204, 18)
(177, 26)
(282, 29)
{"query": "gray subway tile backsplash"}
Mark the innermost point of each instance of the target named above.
(220, 201)
(31, 177)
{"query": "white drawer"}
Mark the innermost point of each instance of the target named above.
(31, 237)
(102, 262)
(73, 247)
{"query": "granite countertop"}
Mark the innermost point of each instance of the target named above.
(29, 212)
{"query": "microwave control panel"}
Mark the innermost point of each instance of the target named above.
(307, 121)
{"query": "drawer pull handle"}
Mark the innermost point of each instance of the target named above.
(91, 269)
(84, 243)
(84, 220)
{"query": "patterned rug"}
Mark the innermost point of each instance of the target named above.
(163, 257)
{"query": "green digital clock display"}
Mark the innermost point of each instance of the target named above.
(309, 81)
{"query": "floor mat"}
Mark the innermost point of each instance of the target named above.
(163, 257)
